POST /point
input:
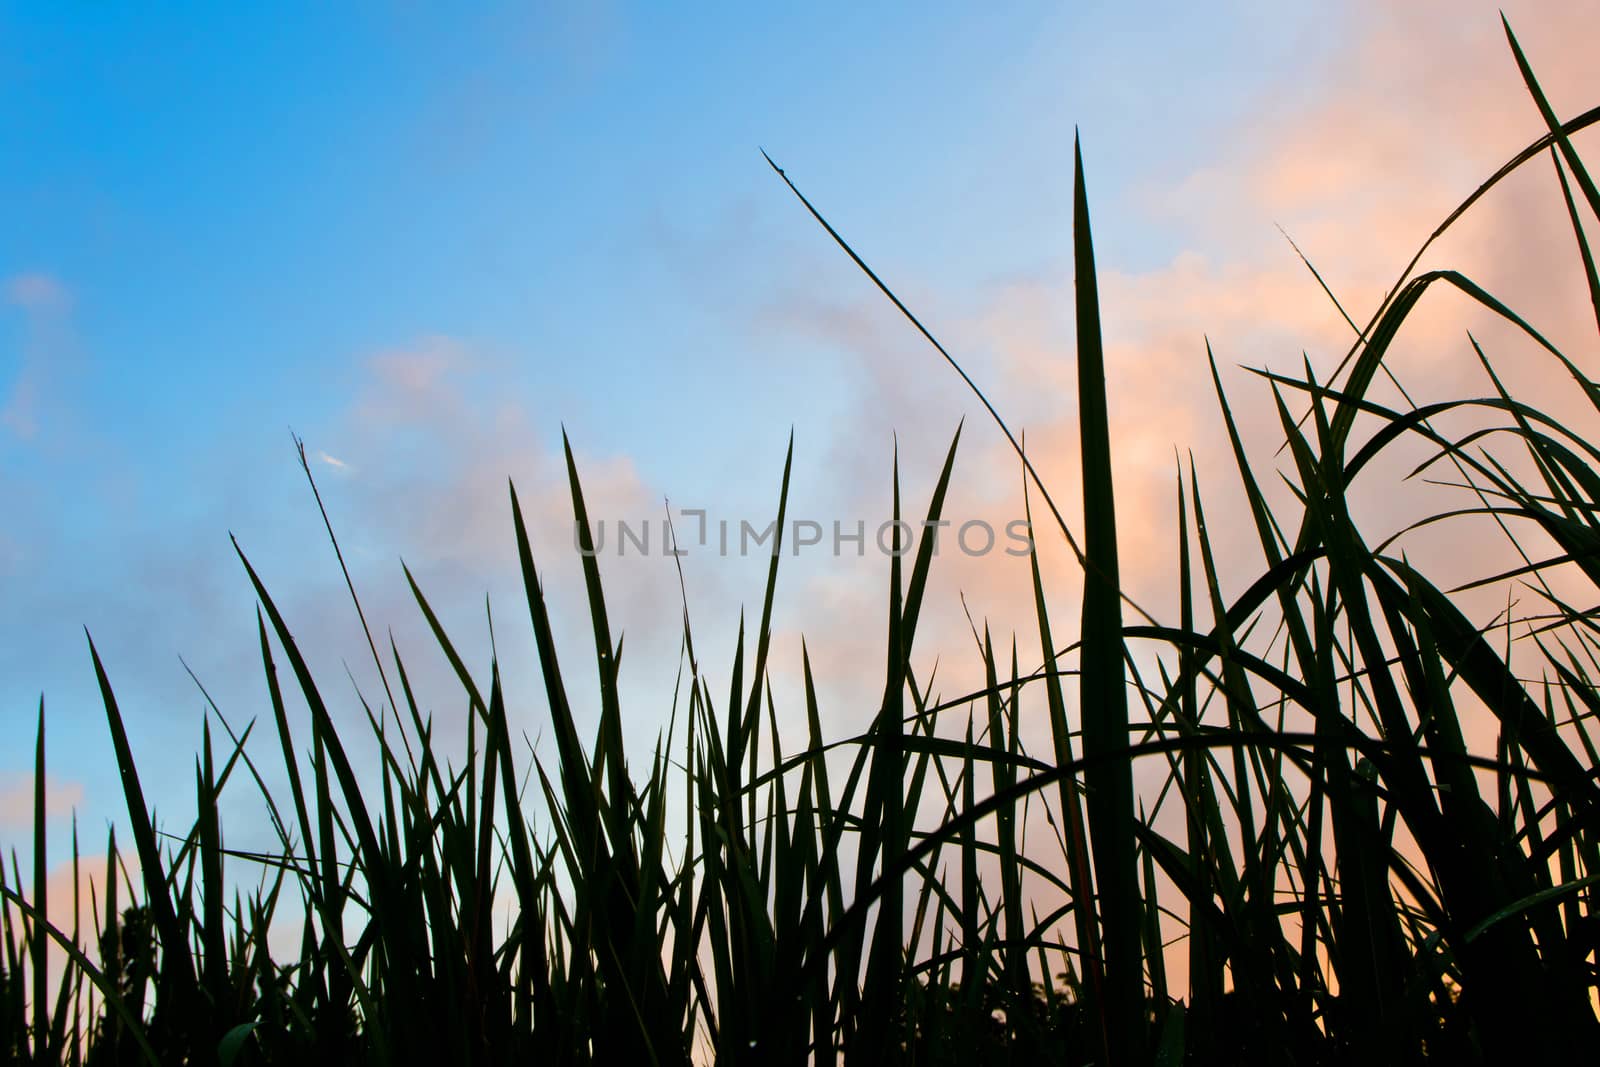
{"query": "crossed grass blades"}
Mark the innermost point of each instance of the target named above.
(1360, 889)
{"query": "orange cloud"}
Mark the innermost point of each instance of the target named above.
(1359, 163)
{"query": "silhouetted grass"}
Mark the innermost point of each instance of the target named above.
(1361, 889)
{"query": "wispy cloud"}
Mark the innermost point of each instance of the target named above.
(46, 304)
(37, 291)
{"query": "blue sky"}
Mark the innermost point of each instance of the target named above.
(239, 205)
(427, 239)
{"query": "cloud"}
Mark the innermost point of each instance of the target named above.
(1360, 161)
(37, 292)
(436, 441)
(1360, 165)
(18, 415)
(48, 348)
(17, 796)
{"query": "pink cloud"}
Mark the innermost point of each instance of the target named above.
(1360, 163)
(17, 795)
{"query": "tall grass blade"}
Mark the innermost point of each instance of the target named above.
(1102, 697)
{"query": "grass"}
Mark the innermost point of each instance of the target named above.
(1348, 881)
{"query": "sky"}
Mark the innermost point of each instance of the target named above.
(429, 240)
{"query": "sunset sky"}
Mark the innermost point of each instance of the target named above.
(426, 241)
